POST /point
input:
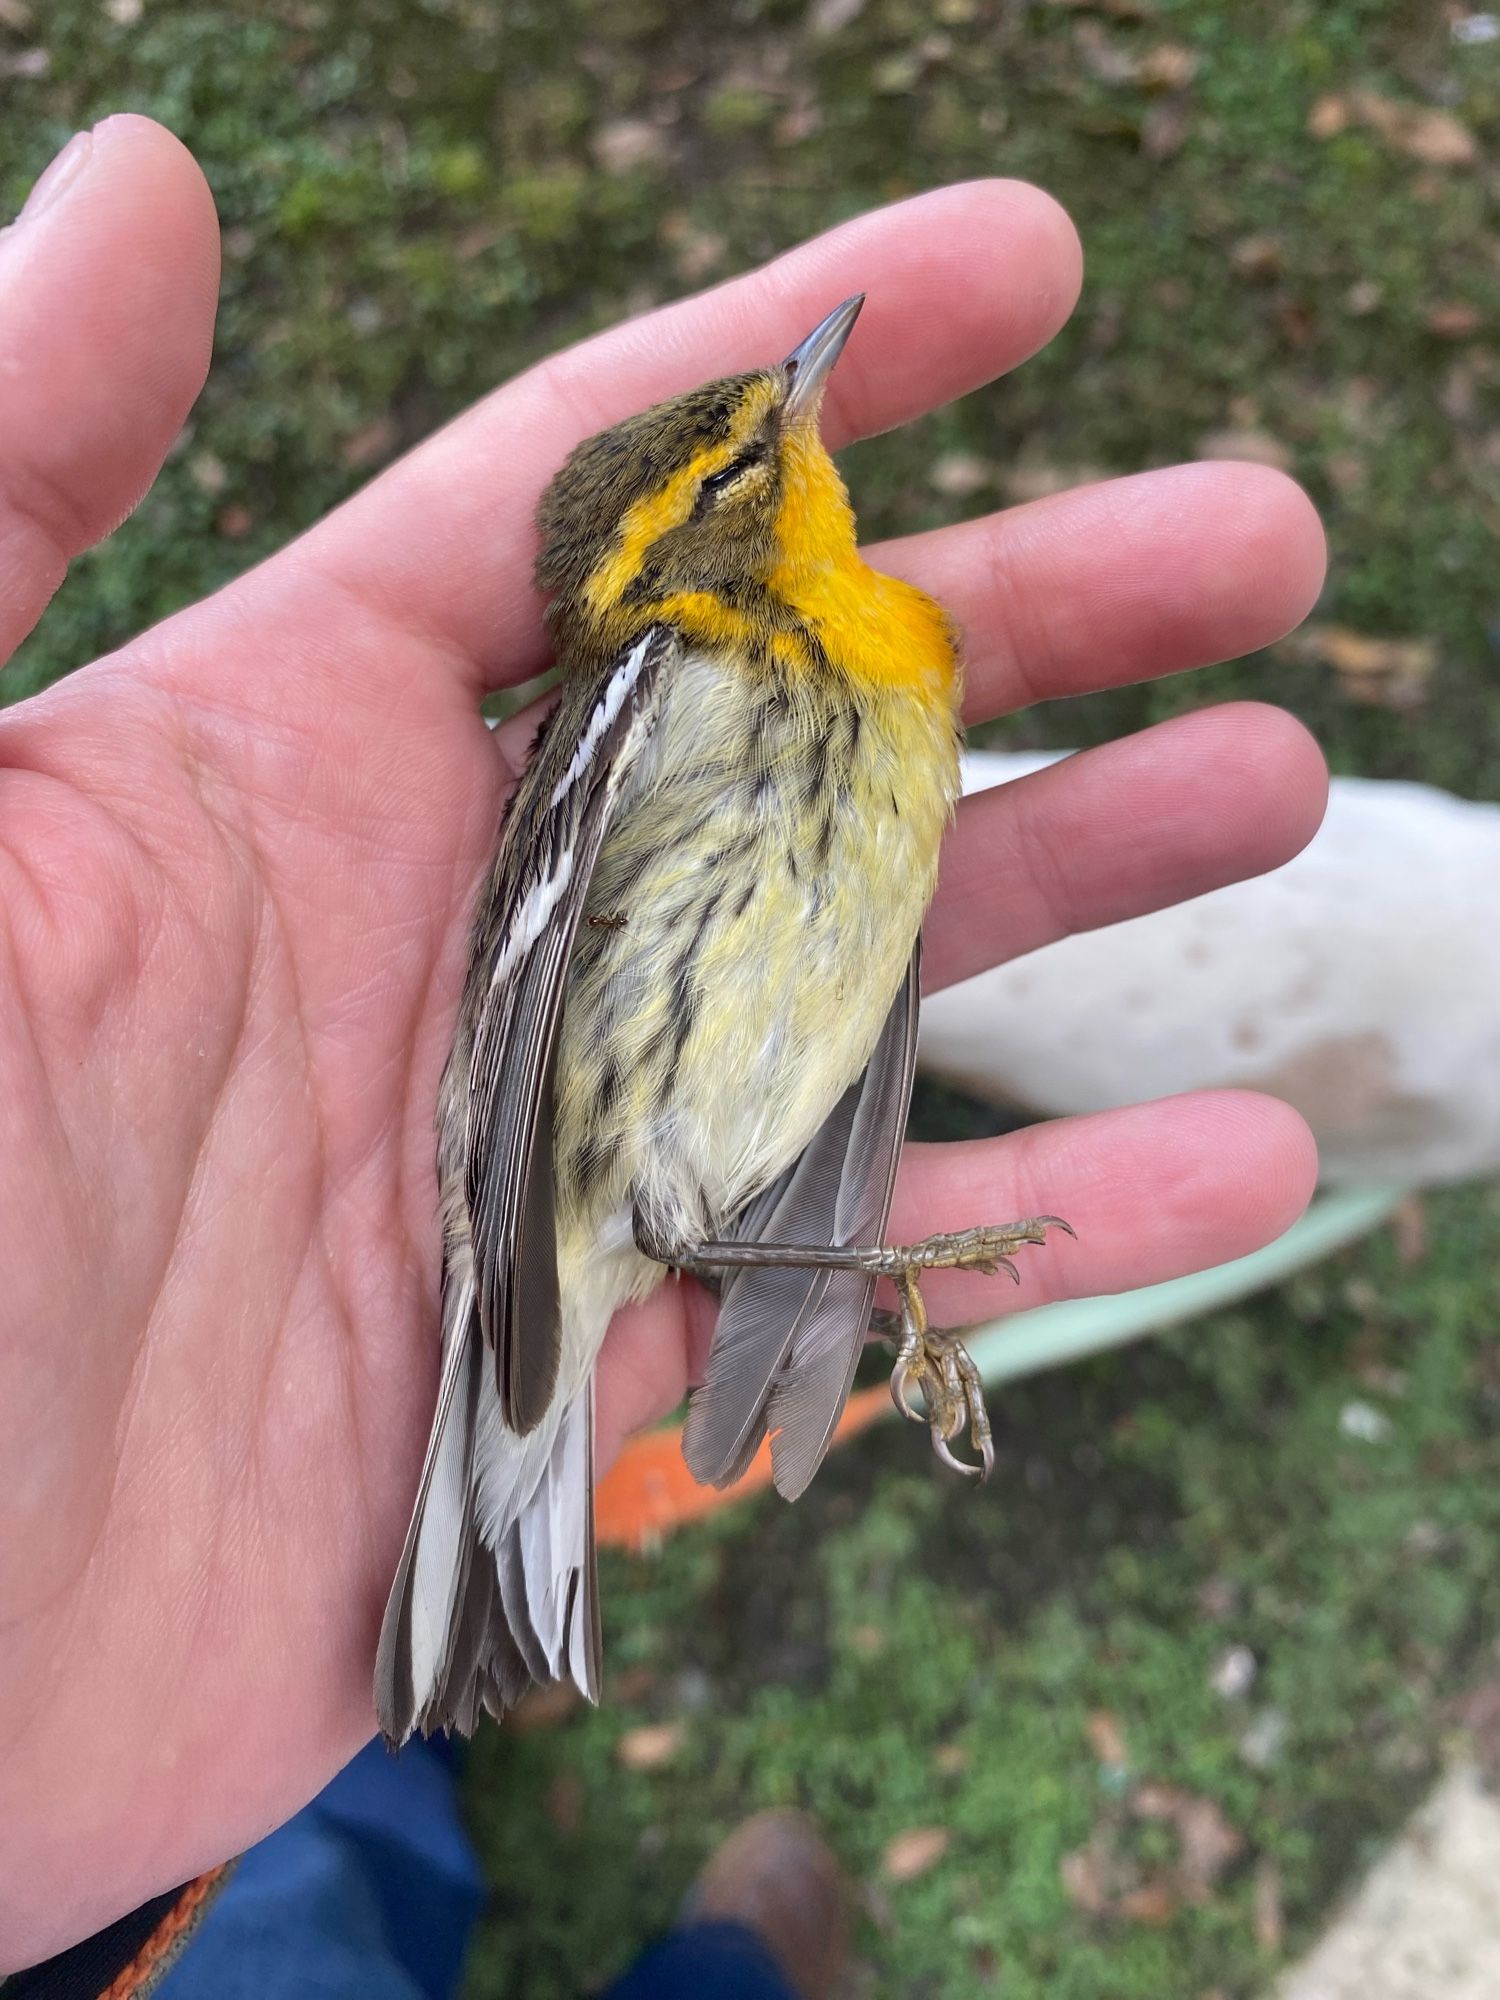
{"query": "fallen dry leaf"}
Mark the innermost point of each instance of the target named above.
(1269, 1926)
(627, 144)
(544, 1707)
(950, 1759)
(1218, 1596)
(1252, 447)
(1261, 256)
(1035, 480)
(1478, 1713)
(234, 522)
(1328, 117)
(1298, 320)
(960, 474)
(1107, 1739)
(372, 441)
(1409, 1229)
(1155, 1902)
(29, 65)
(800, 121)
(1169, 66)
(1165, 128)
(1104, 59)
(1105, 1880)
(632, 1684)
(914, 1852)
(695, 250)
(1206, 1840)
(1086, 1877)
(565, 1802)
(650, 1746)
(478, 240)
(1436, 138)
(827, 17)
(1458, 398)
(1379, 673)
(1453, 320)
(208, 472)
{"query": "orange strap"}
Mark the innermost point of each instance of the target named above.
(151, 1962)
(649, 1491)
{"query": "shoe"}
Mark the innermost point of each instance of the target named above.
(778, 1876)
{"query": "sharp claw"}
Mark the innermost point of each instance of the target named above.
(1056, 1222)
(940, 1446)
(899, 1375)
(1006, 1265)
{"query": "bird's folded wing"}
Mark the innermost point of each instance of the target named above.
(512, 1008)
(787, 1341)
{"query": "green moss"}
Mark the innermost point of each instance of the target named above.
(549, 207)
(733, 111)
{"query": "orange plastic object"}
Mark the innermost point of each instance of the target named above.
(649, 1491)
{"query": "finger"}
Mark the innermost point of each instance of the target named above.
(107, 289)
(1120, 582)
(651, 1354)
(1153, 1192)
(1173, 812)
(444, 539)
(1128, 580)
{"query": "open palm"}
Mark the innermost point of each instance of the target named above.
(236, 867)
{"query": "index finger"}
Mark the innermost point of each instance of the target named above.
(961, 285)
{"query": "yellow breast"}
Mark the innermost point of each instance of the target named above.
(876, 631)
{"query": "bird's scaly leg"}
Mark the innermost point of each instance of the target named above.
(928, 1358)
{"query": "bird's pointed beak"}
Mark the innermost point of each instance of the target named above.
(808, 366)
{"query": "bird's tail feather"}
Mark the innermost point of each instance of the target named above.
(496, 1587)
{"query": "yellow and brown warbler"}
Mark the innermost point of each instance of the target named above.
(687, 1029)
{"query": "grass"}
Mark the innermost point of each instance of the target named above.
(1022, 1668)
(415, 205)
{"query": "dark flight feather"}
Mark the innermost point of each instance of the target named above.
(513, 1008)
(787, 1341)
(469, 1627)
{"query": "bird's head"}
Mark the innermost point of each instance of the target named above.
(705, 510)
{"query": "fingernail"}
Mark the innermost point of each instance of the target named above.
(57, 178)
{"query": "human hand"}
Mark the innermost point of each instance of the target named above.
(237, 862)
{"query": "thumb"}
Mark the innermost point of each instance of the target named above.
(108, 282)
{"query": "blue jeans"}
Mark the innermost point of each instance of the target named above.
(371, 1892)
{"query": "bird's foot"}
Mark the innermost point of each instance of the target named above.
(988, 1248)
(935, 1362)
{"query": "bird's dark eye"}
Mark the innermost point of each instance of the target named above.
(717, 482)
